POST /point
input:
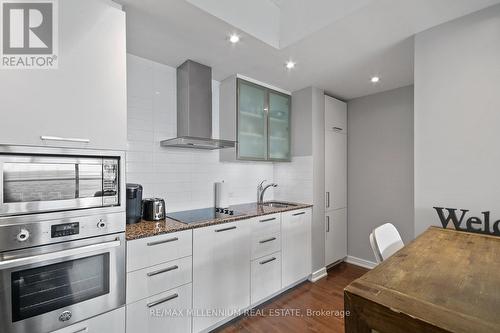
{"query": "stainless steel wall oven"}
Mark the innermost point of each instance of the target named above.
(62, 240)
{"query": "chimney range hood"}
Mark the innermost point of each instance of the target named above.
(194, 109)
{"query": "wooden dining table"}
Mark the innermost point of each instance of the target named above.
(443, 281)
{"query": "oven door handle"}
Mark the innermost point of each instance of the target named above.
(58, 254)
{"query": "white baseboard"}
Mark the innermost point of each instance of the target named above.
(361, 262)
(319, 274)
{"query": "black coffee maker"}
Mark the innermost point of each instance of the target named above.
(134, 203)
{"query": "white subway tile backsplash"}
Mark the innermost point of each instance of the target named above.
(183, 177)
(295, 180)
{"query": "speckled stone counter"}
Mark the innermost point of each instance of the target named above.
(148, 229)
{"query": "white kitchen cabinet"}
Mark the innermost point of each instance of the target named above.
(161, 313)
(335, 170)
(335, 115)
(221, 271)
(295, 246)
(85, 98)
(266, 235)
(266, 277)
(336, 235)
(155, 279)
(335, 180)
(112, 322)
(150, 251)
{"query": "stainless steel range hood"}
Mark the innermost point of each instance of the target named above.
(194, 109)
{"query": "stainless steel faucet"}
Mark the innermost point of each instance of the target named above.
(261, 190)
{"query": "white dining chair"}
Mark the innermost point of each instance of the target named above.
(385, 241)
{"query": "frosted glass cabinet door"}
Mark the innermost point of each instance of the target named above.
(279, 126)
(252, 121)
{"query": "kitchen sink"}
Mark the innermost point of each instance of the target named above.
(276, 204)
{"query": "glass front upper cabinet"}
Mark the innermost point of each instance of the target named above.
(263, 123)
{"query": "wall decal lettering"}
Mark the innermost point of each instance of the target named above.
(459, 220)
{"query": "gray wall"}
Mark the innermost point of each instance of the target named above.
(457, 117)
(308, 140)
(380, 167)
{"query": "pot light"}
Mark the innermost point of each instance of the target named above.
(234, 38)
(375, 79)
(290, 64)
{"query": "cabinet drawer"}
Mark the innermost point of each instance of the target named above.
(156, 279)
(263, 245)
(165, 312)
(113, 321)
(266, 277)
(267, 224)
(146, 252)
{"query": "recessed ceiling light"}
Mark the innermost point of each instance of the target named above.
(290, 64)
(375, 79)
(234, 38)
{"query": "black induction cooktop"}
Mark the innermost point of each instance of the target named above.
(202, 215)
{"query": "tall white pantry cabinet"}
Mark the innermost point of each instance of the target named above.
(335, 180)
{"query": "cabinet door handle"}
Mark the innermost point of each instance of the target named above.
(327, 223)
(297, 214)
(163, 300)
(268, 220)
(82, 330)
(168, 269)
(58, 138)
(267, 261)
(337, 129)
(327, 199)
(267, 240)
(163, 241)
(225, 229)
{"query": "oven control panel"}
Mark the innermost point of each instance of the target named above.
(65, 229)
(23, 232)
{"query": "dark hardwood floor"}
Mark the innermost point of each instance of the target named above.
(291, 311)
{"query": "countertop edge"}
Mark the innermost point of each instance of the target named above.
(136, 231)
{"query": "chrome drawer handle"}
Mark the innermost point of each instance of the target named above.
(163, 241)
(267, 261)
(58, 138)
(267, 240)
(168, 269)
(297, 214)
(163, 300)
(225, 229)
(268, 220)
(82, 330)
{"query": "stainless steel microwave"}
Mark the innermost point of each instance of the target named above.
(38, 181)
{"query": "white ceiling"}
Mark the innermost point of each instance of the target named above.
(279, 23)
(340, 57)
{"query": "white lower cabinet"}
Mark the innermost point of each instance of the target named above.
(336, 236)
(295, 246)
(165, 312)
(221, 272)
(112, 322)
(155, 279)
(233, 266)
(266, 277)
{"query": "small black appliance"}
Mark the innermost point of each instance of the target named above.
(134, 203)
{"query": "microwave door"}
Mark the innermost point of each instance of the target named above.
(46, 184)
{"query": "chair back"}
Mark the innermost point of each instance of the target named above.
(385, 241)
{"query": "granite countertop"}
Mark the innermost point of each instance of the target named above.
(144, 228)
